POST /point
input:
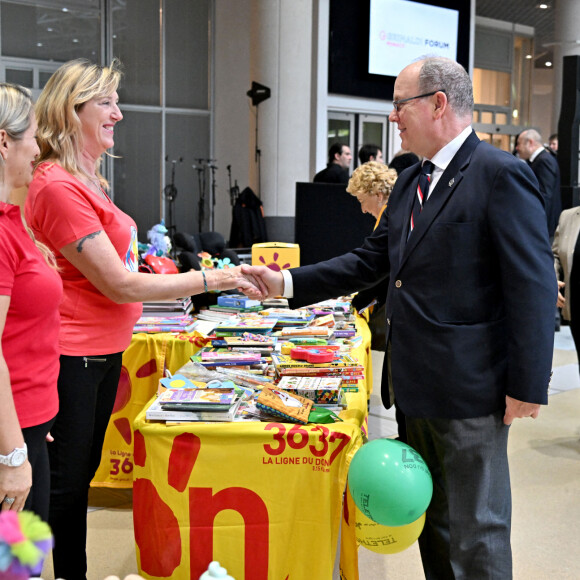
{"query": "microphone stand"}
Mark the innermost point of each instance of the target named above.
(235, 190)
(200, 168)
(170, 193)
(213, 168)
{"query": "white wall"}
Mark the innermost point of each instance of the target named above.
(270, 42)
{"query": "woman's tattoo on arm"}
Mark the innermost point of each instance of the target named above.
(83, 240)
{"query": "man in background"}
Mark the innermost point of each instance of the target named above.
(370, 152)
(553, 143)
(545, 167)
(337, 170)
(402, 160)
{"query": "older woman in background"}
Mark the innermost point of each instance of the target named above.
(30, 293)
(95, 244)
(372, 183)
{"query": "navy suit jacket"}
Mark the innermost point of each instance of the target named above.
(546, 169)
(470, 305)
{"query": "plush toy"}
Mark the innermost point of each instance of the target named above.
(160, 244)
(24, 542)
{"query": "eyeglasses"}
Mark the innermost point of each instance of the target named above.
(397, 104)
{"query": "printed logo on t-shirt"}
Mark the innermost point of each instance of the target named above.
(132, 255)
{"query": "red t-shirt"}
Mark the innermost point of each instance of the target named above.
(61, 209)
(30, 337)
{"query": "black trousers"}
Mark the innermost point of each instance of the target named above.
(467, 530)
(87, 388)
(38, 498)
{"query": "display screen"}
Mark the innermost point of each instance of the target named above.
(371, 41)
(401, 31)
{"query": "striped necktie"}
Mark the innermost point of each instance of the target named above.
(422, 192)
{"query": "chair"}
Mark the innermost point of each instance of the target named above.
(188, 246)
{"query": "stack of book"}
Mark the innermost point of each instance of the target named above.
(210, 357)
(194, 404)
(254, 324)
(344, 366)
(178, 307)
(236, 304)
(182, 323)
(247, 342)
(321, 390)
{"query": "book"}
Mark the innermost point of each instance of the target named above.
(346, 360)
(281, 404)
(157, 412)
(179, 306)
(320, 332)
(209, 357)
(256, 324)
(207, 399)
(164, 324)
(246, 339)
(321, 390)
(237, 301)
(235, 309)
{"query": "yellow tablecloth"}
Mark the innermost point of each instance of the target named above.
(264, 499)
(144, 363)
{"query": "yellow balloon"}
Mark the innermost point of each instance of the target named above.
(386, 539)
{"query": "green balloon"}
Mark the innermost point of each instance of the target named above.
(390, 482)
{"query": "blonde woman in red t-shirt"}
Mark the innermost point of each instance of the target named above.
(30, 293)
(95, 245)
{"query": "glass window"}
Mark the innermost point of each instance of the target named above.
(372, 133)
(136, 42)
(20, 77)
(188, 137)
(491, 87)
(137, 169)
(187, 54)
(56, 33)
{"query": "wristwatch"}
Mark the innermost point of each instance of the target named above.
(15, 458)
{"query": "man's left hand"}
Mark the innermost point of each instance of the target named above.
(515, 409)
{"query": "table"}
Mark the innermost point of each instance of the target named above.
(144, 363)
(264, 499)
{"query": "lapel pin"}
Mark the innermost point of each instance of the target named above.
(452, 181)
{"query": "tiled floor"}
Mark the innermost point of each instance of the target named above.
(545, 467)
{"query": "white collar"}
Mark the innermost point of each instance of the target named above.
(443, 157)
(536, 153)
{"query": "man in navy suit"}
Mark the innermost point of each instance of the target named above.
(545, 167)
(469, 314)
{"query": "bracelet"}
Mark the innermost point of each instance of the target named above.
(204, 281)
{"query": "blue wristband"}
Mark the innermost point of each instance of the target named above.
(204, 281)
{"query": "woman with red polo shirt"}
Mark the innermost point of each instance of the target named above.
(30, 293)
(95, 245)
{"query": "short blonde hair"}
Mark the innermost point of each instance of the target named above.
(68, 89)
(372, 178)
(16, 114)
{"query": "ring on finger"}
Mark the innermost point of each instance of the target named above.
(9, 500)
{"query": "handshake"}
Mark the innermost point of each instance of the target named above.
(256, 282)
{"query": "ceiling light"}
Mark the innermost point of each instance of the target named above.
(543, 6)
(39, 44)
(548, 63)
(75, 40)
(529, 56)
